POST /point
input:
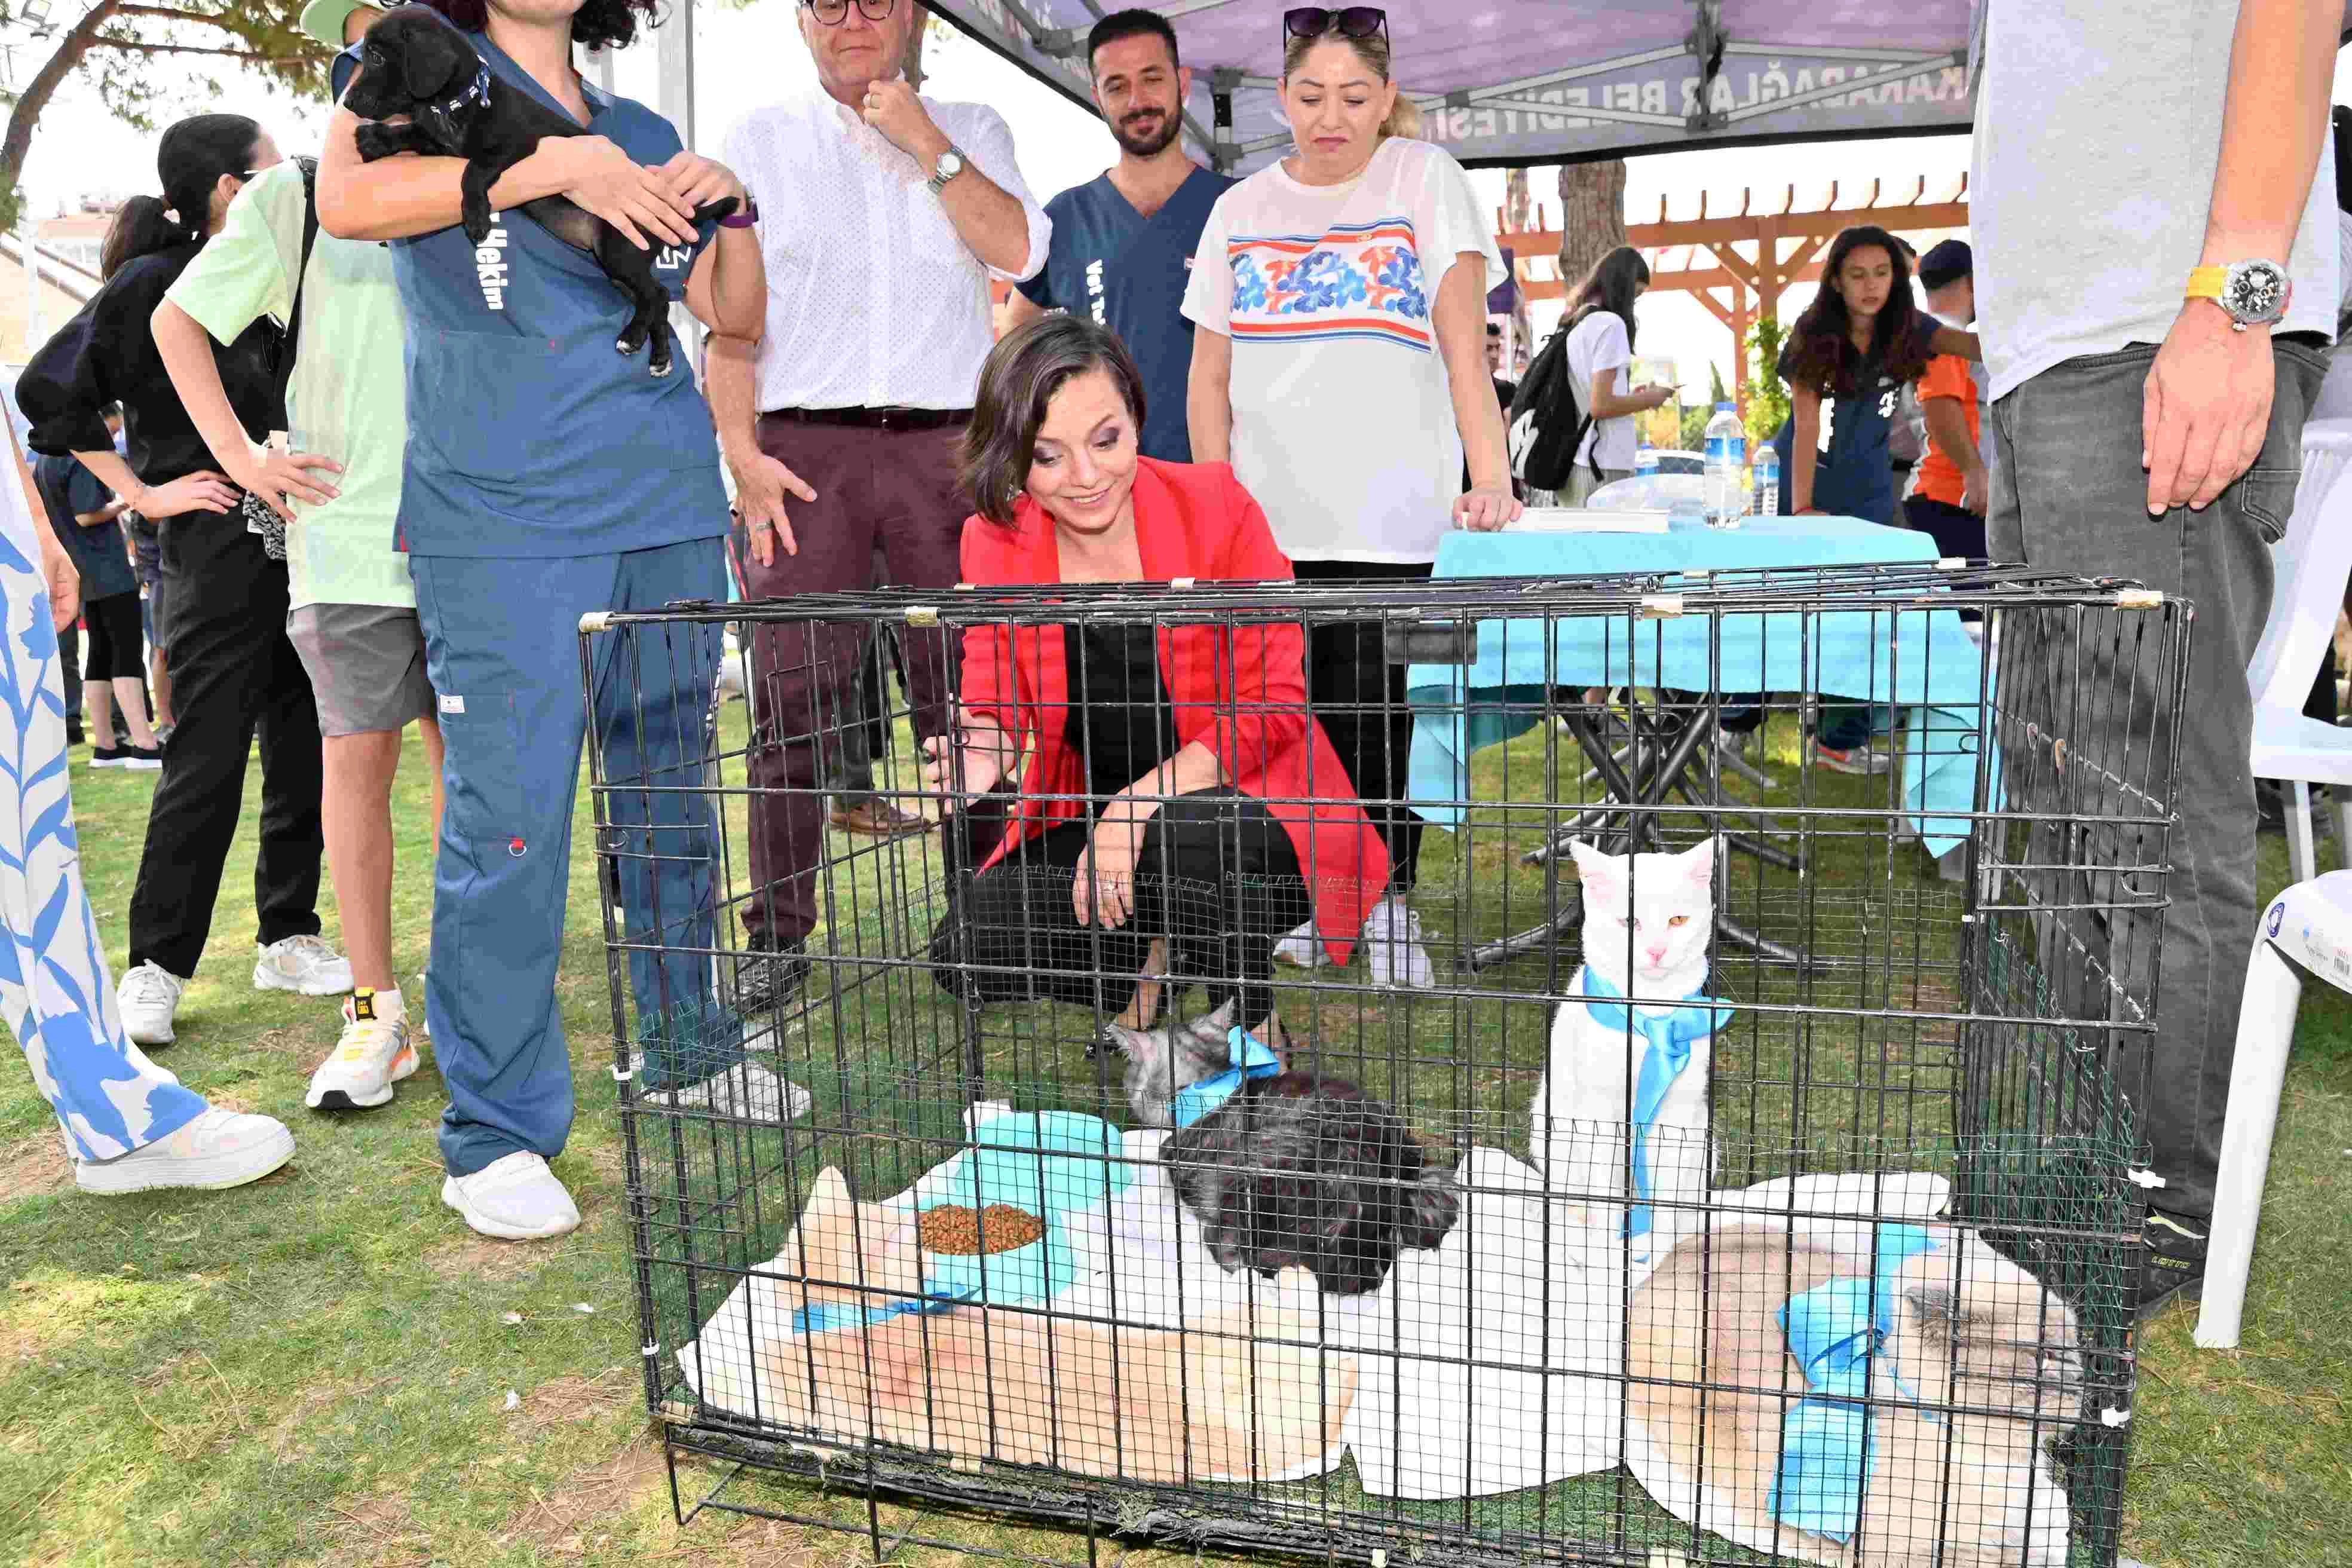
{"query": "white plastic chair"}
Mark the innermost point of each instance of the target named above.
(2306, 928)
(2312, 564)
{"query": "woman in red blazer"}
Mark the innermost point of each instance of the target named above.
(1179, 807)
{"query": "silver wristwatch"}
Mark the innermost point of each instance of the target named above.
(950, 165)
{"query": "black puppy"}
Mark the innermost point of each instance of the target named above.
(1304, 1169)
(416, 64)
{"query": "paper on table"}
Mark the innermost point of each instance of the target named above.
(1581, 519)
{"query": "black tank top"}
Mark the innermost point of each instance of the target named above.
(1120, 719)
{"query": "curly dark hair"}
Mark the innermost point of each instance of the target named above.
(1820, 352)
(597, 25)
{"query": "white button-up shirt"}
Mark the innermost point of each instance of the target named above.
(873, 299)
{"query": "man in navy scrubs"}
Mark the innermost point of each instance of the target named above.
(547, 477)
(1123, 242)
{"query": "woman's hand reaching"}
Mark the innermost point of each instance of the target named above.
(956, 773)
(1104, 889)
(202, 490)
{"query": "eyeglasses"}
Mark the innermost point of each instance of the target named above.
(1347, 21)
(833, 13)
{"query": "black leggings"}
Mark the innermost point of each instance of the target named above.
(1359, 697)
(116, 647)
(1218, 876)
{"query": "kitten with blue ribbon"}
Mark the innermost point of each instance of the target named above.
(1283, 1166)
(1639, 1070)
(1871, 1397)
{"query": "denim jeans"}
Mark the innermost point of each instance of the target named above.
(2069, 495)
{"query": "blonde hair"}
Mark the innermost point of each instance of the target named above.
(1405, 115)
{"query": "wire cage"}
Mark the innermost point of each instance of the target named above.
(1723, 1146)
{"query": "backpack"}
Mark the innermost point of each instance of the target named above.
(1548, 420)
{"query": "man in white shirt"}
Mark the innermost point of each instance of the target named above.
(2155, 277)
(841, 424)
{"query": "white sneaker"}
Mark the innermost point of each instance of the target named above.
(301, 964)
(148, 999)
(373, 1054)
(514, 1197)
(1392, 950)
(746, 1091)
(218, 1148)
(1304, 947)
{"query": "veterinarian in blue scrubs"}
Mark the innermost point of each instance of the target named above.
(548, 476)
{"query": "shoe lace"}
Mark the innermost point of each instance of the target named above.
(149, 986)
(314, 948)
(363, 1037)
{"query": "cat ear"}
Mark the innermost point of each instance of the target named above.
(1935, 1311)
(1594, 869)
(1213, 1026)
(1698, 863)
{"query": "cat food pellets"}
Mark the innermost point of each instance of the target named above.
(961, 1232)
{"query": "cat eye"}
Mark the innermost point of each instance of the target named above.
(1678, 919)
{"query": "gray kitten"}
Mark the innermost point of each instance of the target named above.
(1162, 1061)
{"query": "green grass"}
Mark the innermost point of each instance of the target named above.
(316, 1369)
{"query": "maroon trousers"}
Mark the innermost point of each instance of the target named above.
(893, 489)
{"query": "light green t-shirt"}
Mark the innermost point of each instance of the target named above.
(348, 396)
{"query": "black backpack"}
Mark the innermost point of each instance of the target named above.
(1547, 419)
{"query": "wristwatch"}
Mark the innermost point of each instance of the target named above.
(745, 217)
(2254, 293)
(950, 165)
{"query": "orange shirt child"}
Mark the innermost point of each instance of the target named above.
(1947, 376)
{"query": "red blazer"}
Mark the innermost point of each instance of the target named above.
(1240, 691)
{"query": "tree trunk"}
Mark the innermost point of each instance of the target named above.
(18, 141)
(1591, 217)
(1519, 215)
(911, 62)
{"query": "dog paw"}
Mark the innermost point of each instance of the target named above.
(663, 369)
(623, 346)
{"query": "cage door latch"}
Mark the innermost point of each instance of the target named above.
(1660, 606)
(2139, 598)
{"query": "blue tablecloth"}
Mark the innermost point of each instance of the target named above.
(1922, 659)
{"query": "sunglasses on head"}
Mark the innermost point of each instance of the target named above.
(1347, 21)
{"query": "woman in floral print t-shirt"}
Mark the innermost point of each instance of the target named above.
(1340, 365)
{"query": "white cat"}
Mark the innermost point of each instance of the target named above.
(1647, 918)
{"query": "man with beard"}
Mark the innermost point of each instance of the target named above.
(852, 403)
(1123, 242)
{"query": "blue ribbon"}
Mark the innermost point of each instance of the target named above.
(1833, 1329)
(1251, 1058)
(828, 1316)
(1670, 1035)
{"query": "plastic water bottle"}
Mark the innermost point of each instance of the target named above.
(1646, 461)
(1726, 462)
(1768, 481)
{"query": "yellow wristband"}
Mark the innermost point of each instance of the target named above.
(2207, 282)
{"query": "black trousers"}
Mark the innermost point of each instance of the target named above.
(1218, 878)
(1359, 698)
(234, 676)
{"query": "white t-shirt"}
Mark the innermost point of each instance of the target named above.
(2098, 129)
(1600, 343)
(1343, 421)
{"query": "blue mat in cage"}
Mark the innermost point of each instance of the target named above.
(1921, 659)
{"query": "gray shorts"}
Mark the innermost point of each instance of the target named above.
(366, 663)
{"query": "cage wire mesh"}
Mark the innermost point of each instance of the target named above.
(1727, 1155)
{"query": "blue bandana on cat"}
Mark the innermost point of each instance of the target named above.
(1670, 1035)
(1832, 1330)
(1251, 1058)
(828, 1316)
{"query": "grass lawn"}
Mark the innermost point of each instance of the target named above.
(328, 1368)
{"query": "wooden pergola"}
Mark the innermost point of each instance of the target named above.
(1738, 266)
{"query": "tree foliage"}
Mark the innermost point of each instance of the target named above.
(1768, 395)
(150, 60)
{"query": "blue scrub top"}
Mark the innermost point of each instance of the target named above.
(528, 434)
(1854, 474)
(68, 490)
(1129, 271)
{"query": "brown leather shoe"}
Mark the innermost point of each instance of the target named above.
(879, 819)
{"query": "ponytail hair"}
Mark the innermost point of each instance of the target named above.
(191, 157)
(1404, 119)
